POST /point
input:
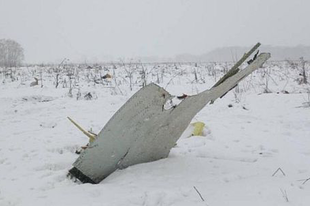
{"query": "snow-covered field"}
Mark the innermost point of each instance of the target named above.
(255, 151)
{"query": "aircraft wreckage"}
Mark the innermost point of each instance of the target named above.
(142, 130)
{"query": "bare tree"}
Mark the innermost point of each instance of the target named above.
(303, 68)
(11, 53)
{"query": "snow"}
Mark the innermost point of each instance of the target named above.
(233, 164)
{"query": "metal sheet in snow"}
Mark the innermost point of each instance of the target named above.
(142, 130)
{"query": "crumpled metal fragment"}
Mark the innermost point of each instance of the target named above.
(142, 130)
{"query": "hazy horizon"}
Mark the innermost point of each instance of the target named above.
(112, 29)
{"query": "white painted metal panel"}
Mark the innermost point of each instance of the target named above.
(143, 131)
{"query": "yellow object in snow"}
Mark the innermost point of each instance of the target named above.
(198, 128)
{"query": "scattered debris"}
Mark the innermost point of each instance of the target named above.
(182, 97)
(255, 56)
(198, 128)
(243, 107)
(88, 96)
(285, 92)
(92, 136)
(35, 83)
(107, 76)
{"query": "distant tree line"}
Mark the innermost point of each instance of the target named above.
(11, 53)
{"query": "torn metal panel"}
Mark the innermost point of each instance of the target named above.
(125, 133)
(142, 130)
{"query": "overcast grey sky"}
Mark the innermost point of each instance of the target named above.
(50, 30)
